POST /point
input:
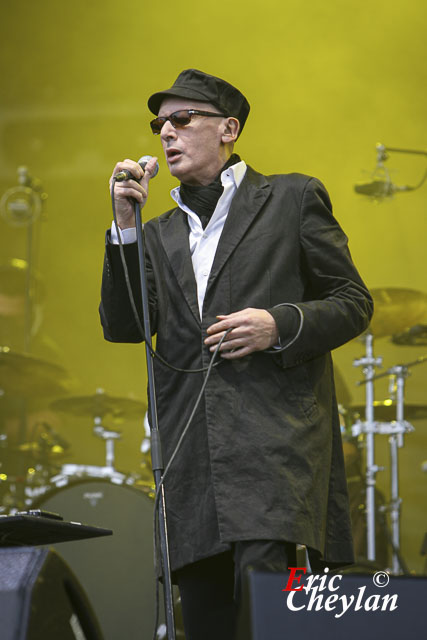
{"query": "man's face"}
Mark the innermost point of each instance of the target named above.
(196, 153)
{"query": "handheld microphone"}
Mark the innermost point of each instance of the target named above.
(127, 175)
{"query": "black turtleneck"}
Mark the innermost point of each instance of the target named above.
(203, 200)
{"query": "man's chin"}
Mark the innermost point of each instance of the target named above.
(184, 172)
(177, 171)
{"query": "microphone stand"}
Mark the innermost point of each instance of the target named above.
(156, 450)
(382, 156)
(382, 151)
(20, 206)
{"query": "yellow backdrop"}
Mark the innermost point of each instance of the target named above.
(326, 81)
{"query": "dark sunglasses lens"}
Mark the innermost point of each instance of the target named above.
(157, 124)
(180, 118)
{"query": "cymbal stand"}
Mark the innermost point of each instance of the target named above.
(395, 429)
(20, 206)
(109, 436)
(398, 375)
(368, 364)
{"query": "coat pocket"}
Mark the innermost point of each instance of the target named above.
(300, 390)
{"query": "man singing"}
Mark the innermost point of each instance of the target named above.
(261, 468)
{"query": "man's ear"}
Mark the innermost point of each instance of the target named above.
(231, 130)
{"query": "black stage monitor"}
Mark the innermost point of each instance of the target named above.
(40, 598)
(335, 607)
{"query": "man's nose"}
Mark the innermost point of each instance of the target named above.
(168, 131)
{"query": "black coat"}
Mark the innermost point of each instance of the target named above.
(263, 457)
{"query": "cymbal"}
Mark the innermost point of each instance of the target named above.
(416, 336)
(100, 405)
(396, 310)
(385, 410)
(25, 376)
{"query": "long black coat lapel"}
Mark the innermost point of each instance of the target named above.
(250, 197)
(174, 236)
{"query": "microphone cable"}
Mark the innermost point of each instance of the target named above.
(153, 352)
(165, 472)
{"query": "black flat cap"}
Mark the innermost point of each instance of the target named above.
(197, 85)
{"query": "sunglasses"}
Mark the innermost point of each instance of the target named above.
(180, 119)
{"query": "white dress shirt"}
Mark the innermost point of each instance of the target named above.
(203, 242)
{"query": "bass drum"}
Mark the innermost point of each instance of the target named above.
(116, 571)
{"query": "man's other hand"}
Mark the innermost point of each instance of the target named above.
(252, 330)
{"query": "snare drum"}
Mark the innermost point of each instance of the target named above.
(71, 472)
(116, 571)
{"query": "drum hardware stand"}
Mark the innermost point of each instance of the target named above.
(109, 436)
(21, 206)
(396, 430)
(368, 364)
(156, 450)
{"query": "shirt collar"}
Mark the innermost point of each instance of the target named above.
(235, 173)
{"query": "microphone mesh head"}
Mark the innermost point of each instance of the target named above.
(143, 161)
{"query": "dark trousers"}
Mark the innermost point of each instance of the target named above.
(212, 590)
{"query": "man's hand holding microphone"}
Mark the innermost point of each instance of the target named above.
(131, 183)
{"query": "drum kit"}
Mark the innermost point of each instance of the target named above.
(29, 464)
(116, 572)
(398, 313)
